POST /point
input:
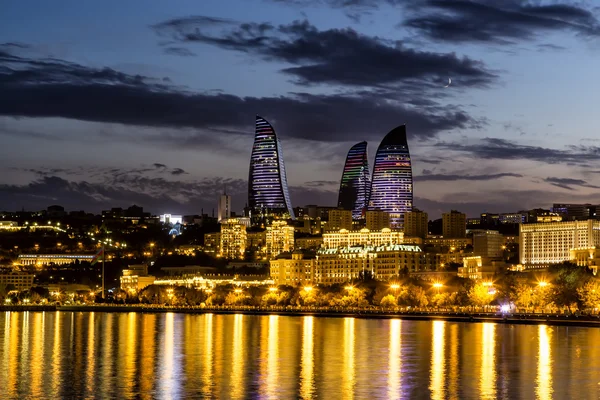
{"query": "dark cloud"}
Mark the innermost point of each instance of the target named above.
(159, 165)
(497, 21)
(334, 56)
(569, 183)
(178, 171)
(501, 149)
(55, 88)
(321, 183)
(179, 51)
(452, 177)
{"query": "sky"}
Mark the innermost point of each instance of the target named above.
(108, 104)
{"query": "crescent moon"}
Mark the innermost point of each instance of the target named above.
(449, 82)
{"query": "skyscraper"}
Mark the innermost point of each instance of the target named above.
(267, 182)
(356, 183)
(224, 207)
(392, 183)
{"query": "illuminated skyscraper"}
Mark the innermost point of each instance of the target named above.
(356, 183)
(267, 183)
(392, 183)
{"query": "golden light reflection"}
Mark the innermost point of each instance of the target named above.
(273, 358)
(130, 372)
(307, 372)
(13, 354)
(56, 354)
(237, 375)
(395, 360)
(37, 355)
(107, 353)
(148, 348)
(543, 388)
(487, 375)
(91, 355)
(349, 377)
(454, 363)
(167, 389)
(207, 376)
(438, 366)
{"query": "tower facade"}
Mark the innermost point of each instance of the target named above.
(224, 207)
(355, 185)
(268, 192)
(392, 183)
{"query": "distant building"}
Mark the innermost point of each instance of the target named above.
(212, 242)
(542, 244)
(41, 260)
(20, 280)
(136, 278)
(512, 218)
(224, 207)
(233, 239)
(454, 224)
(309, 242)
(376, 220)
(296, 268)
(279, 238)
(339, 219)
(456, 243)
(346, 238)
(488, 244)
(170, 219)
(416, 224)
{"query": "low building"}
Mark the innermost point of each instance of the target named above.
(542, 244)
(41, 260)
(188, 270)
(308, 243)
(457, 243)
(210, 281)
(586, 257)
(136, 278)
(472, 268)
(20, 280)
(363, 237)
(296, 268)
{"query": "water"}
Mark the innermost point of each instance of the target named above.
(112, 355)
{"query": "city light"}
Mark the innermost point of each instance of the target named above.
(543, 283)
(272, 289)
(505, 308)
(308, 288)
(395, 286)
(437, 285)
(238, 290)
(349, 288)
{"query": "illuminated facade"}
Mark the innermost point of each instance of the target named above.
(471, 268)
(267, 182)
(392, 183)
(20, 280)
(232, 239)
(346, 238)
(136, 278)
(355, 186)
(292, 269)
(545, 243)
(384, 262)
(279, 238)
(56, 259)
(224, 207)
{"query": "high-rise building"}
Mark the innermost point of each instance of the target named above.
(339, 219)
(416, 224)
(268, 192)
(224, 207)
(392, 183)
(279, 238)
(454, 224)
(355, 185)
(233, 239)
(376, 220)
(488, 244)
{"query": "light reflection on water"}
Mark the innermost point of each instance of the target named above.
(65, 355)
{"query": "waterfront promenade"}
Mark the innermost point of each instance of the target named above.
(577, 319)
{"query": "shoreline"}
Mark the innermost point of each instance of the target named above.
(474, 317)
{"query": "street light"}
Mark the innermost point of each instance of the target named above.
(349, 288)
(272, 289)
(542, 283)
(395, 286)
(308, 288)
(238, 290)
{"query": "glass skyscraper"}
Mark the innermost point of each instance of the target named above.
(356, 182)
(267, 183)
(392, 183)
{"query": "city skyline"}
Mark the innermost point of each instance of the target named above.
(157, 109)
(355, 185)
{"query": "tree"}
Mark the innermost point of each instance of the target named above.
(524, 295)
(481, 295)
(414, 296)
(589, 294)
(388, 301)
(568, 277)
